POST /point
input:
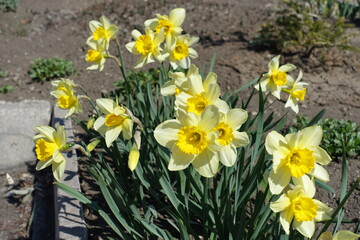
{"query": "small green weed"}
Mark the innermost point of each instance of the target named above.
(5, 88)
(8, 5)
(46, 69)
(339, 135)
(304, 26)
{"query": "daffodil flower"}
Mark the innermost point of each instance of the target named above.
(96, 55)
(181, 51)
(147, 46)
(276, 78)
(171, 25)
(341, 235)
(64, 91)
(201, 94)
(102, 32)
(179, 81)
(298, 207)
(296, 155)
(297, 93)
(191, 140)
(48, 146)
(228, 136)
(114, 121)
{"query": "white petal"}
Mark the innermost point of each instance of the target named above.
(209, 118)
(93, 25)
(211, 78)
(227, 155)
(320, 173)
(99, 125)
(177, 16)
(279, 158)
(285, 220)
(58, 157)
(236, 117)
(320, 155)
(168, 89)
(280, 204)
(273, 141)
(46, 131)
(127, 128)
(222, 106)
(213, 93)
(58, 170)
(136, 34)
(323, 212)
(131, 48)
(43, 164)
(311, 136)
(206, 163)
(307, 184)
(279, 180)
(306, 228)
(241, 139)
(274, 63)
(141, 61)
(345, 235)
(179, 160)
(184, 63)
(60, 136)
(166, 132)
(193, 53)
(287, 68)
(106, 105)
(293, 104)
(112, 133)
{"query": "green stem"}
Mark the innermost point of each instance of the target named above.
(123, 72)
(91, 101)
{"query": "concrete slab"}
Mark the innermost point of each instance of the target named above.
(17, 120)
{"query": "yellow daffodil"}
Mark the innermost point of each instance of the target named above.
(295, 155)
(298, 207)
(147, 46)
(277, 77)
(64, 91)
(171, 25)
(179, 81)
(228, 136)
(96, 55)
(114, 121)
(48, 144)
(134, 156)
(181, 51)
(341, 235)
(297, 93)
(191, 140)
(201, 94)
(102, 32)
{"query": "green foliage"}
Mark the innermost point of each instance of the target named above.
(9, 5)
(303, 26)
(141, 78)
(46, 69)
(340, 136)
(5, 88)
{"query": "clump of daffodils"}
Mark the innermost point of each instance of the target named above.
(278, 80)
(162, 40)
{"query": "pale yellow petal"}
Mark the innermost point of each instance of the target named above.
(307, 184)
(227, 155)
(274, 63)
(273, 141)
(236, 117)
(43, 164)
(206, 163)
(311, 136)
(106, 105)
(166, 133)
(279, 180)
(323, 212)
(321, 156)
(209, 118)
(112, 133)
(99, 125)
(345, 235)
(285, 220)
(127, 128)
(306, 228)
(179, 160)
(46, 131)
(287, 67)
(320, 173)
(58, 170)
(58, 157)
(241, 139)
(60, 136)
(280, 204)
(177, 16)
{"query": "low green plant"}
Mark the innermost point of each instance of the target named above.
(340, 136)
(46, 69)
(5, 88)
(9, 5)
(303, 27)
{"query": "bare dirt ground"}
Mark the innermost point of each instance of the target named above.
(60, 28)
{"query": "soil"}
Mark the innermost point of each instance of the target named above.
(60, 28)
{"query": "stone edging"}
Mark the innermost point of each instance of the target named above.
(69, 214)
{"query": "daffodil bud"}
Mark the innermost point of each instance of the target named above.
(92, 145)
(134, 156)
(90, 123)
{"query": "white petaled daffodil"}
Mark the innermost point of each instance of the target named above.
(297, 93)
(147, 46)
(341, 235)
(181, 51)
(228, 136)
(64, 91)
(191, 140)
(103, 31)
(96, 55)
(276, 78)
(179, 81)
(298, 207)
(295, 155)
(201, 94)
(48, 146)
(171, 25)
(114, 121)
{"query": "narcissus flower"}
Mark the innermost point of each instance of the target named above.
(180, 82)
(48, 146)
(96, 55)
(341, 235)
(297, 93)
(200, 94)
(277, 77)
(169, 24)
(102, 32)
(191, 140)
(114, 121)
(181, 51)
(295, 155)
(147, 46)
(228, 136)
(64, 91)
(299, 207)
